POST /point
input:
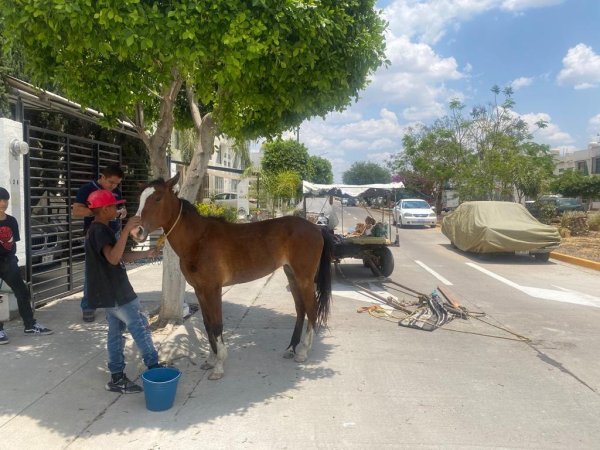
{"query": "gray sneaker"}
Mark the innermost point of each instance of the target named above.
(3, 337)
(124, 386)
(38, 330)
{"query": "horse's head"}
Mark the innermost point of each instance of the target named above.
(158, 203)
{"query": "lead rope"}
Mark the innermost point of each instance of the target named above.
(160, 242)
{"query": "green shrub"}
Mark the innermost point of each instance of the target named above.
(545, 212)
(214, 210)
(594, 221)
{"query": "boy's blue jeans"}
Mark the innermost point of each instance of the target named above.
(130, 317)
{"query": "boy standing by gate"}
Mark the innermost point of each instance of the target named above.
(10, 274)
(110, 178)
(109, 288)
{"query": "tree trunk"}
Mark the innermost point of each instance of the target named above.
(173, 291)
(173, 288)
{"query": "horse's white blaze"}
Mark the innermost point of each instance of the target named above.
(147, 193)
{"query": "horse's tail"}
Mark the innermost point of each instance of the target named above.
(324, 279)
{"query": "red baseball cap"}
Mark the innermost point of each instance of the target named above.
(102, 197)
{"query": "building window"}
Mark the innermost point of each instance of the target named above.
(582, 167)
(219, 183)
(234, 185)
(596, 165)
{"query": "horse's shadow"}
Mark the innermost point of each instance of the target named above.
(255, 371)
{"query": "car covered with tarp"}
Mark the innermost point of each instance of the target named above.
(499, 227)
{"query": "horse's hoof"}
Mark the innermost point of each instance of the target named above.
(289, 354)
(300, 358)
(215, 376)
(207, 366)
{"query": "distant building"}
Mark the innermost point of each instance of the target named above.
(585, 161)
(225, 169)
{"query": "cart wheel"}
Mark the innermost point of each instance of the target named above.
(384, 261)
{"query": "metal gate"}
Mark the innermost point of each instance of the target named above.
(56, 167)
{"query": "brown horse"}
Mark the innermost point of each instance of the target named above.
(213, 253)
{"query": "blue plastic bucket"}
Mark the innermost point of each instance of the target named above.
(160, 387)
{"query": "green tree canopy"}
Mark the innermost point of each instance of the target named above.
(488, 154)
(261, 67)
(286, 155)
(322, 172)
(366, 173)
(573, 183)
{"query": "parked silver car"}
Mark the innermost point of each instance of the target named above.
(414, 211)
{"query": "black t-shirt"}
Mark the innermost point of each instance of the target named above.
(9, 236)
(108, 285)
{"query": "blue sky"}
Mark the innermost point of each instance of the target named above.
(548, 50)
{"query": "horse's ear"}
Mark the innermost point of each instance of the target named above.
(173, 181)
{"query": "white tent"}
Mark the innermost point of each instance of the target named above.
(349, 190)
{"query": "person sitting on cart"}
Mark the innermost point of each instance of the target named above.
(363, 229)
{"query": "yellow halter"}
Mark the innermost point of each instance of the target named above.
(163, 237)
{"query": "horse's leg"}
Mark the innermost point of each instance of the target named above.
(211, 304)
(291, 350)
(212, 356)
(307, 297)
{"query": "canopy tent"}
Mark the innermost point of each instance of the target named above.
(349, 190)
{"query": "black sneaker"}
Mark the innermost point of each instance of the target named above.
(89, 315)
(124, 386)
(38, 330)
(3, 337)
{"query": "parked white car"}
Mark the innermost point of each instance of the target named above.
(414, 211)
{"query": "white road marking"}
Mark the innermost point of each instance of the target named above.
(562, 295)
(349, 291)
(434, 273)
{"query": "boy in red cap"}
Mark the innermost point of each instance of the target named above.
(10, 273)
(109, 288)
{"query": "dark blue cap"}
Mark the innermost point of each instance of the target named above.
(4, 195)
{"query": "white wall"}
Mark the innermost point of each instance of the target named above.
(11, 179)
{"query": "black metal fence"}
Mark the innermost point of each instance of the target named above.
(57, 165)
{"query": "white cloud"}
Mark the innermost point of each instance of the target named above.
(581, 68)
(551, 134)
(594, 125)
(521, 5)
(345, 143)
(416, 80)
(521, 82)
(428, 21)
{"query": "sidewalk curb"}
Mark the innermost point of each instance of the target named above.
(574, 260)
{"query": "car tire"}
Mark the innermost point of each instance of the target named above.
(542, 257)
